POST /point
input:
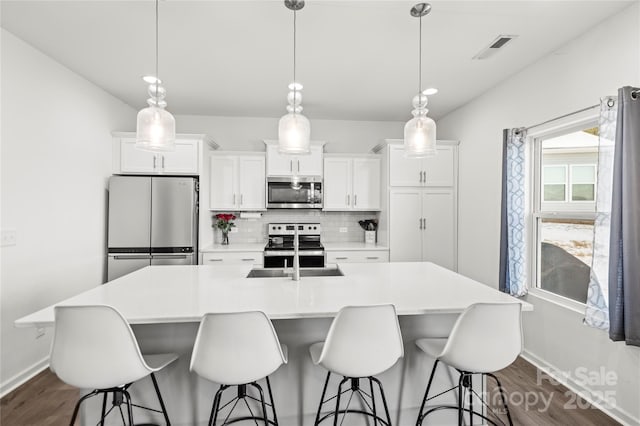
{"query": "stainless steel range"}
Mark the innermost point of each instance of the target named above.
(279, 251)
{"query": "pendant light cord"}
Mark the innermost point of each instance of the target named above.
(420, 60)
(295, 85)
(157, 76)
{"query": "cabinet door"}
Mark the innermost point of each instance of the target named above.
(405, 236)
(439, 169)
(404, 171)
(310, 164)
(134, 160)
(278, 164)
(439, 236)
(183, 160)
(366, 183)
(252, 185)
(222, 188)
(337, 184)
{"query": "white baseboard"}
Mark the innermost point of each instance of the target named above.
(585, 392)
(21, 378)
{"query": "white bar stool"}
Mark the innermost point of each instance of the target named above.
(487, 337)
(238, 349)
(363, 341)
(94, 348)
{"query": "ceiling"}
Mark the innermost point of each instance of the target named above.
(357, 60)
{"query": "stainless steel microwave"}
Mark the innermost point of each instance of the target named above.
(300, 192)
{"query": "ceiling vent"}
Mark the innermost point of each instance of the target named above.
(494, 46)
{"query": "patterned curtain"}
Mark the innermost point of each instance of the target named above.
(597, 312)
(512, 226)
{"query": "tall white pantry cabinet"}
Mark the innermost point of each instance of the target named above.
(420, 221)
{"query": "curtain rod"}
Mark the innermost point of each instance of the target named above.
(562, 116)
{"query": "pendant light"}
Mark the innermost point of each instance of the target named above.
(294, 129)
(156, 127)
(420, 131)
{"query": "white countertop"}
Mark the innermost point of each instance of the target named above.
(171, 294)
(351, 246)
(231, 248)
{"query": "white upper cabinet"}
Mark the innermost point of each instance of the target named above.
(184, 160)
(430, 171)
(237, 182)
(287, 165)
(351, 183)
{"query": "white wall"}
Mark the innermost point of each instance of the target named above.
(247, 133)
(574, 77)
(56, 158)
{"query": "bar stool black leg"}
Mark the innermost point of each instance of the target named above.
(460, 400)
(164, 409)
(502, 397)
(273, 405)
(127, 398)
(324, 392)
(384, 400)
(470, 400)
(104, 407)
(80, 401)
(335, 416)
(216, 405)
(373, 403)
(426, 393)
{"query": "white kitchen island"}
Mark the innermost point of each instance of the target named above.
(165, 303)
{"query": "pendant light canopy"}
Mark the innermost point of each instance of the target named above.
(420, 131)
(294, 129)
(155, 127)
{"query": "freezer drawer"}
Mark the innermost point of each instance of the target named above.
(174, 259)
(122, 264)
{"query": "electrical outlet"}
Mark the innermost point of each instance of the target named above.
(234, 230)
(9, 237)
(343, 229)
(40, 331)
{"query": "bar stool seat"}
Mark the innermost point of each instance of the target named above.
(363, 341)
(238, 349)
(94, 348)
(486, 337)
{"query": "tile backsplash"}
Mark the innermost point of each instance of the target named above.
(255, 230)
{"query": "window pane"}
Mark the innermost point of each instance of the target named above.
(582, 192)
(583, 174)
(566, 249)
(554, 174)
(554, 192)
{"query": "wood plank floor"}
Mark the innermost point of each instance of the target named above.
(45, 401)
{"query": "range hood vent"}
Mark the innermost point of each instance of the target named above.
(494, 46)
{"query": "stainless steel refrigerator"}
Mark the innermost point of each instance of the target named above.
(152, 221)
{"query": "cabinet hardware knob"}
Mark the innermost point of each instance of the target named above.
(248, 260)
(420, 176)
(341, 258)
(163, 161)
(154, 162)
(355, 200)
(420, 223)
(348, 200)
(372, 257)
(215, 260)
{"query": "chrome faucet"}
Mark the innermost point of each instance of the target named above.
(296, 256)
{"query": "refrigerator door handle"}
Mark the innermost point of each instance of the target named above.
(130, 257)
(169, 256)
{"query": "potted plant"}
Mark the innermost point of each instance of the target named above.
(224, 224)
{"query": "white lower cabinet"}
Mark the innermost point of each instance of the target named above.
(422, 226)
(233, 258)
(357, 256)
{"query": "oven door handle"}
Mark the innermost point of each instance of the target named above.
(301, 253)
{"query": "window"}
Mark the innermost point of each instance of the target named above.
(564, 180)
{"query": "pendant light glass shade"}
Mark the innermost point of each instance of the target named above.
(155, 126)
(155, 129)
(294, 134)
(420, 131)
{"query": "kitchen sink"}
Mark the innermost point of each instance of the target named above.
(304, 272)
